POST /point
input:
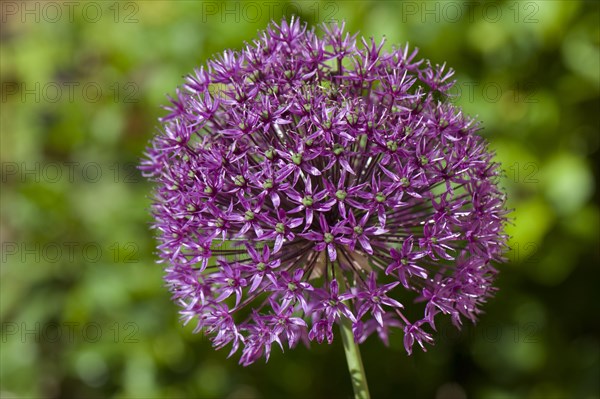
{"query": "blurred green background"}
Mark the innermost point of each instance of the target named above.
(83, 308)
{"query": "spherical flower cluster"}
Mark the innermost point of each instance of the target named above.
(307, 181)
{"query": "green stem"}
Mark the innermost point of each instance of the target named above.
(355, 365)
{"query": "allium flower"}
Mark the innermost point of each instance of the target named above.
(306, 181)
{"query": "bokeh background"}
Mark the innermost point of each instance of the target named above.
(83, 308)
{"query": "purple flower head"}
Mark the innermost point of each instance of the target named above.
(310, 180)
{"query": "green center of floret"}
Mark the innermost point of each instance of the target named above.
(280, 228)
(341, 195)
(292, 286)
(404, 182)
(358, 229)
(261, 266)
(249, 215)
(328, 238)
(270, 153)
(219, 222)
(380, 197)
(338, 149)
(391, 145)
(308, 200)
(239, 180)
(297, 158)
(268, 184)
(351, 119)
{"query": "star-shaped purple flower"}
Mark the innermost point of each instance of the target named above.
(311, 180)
